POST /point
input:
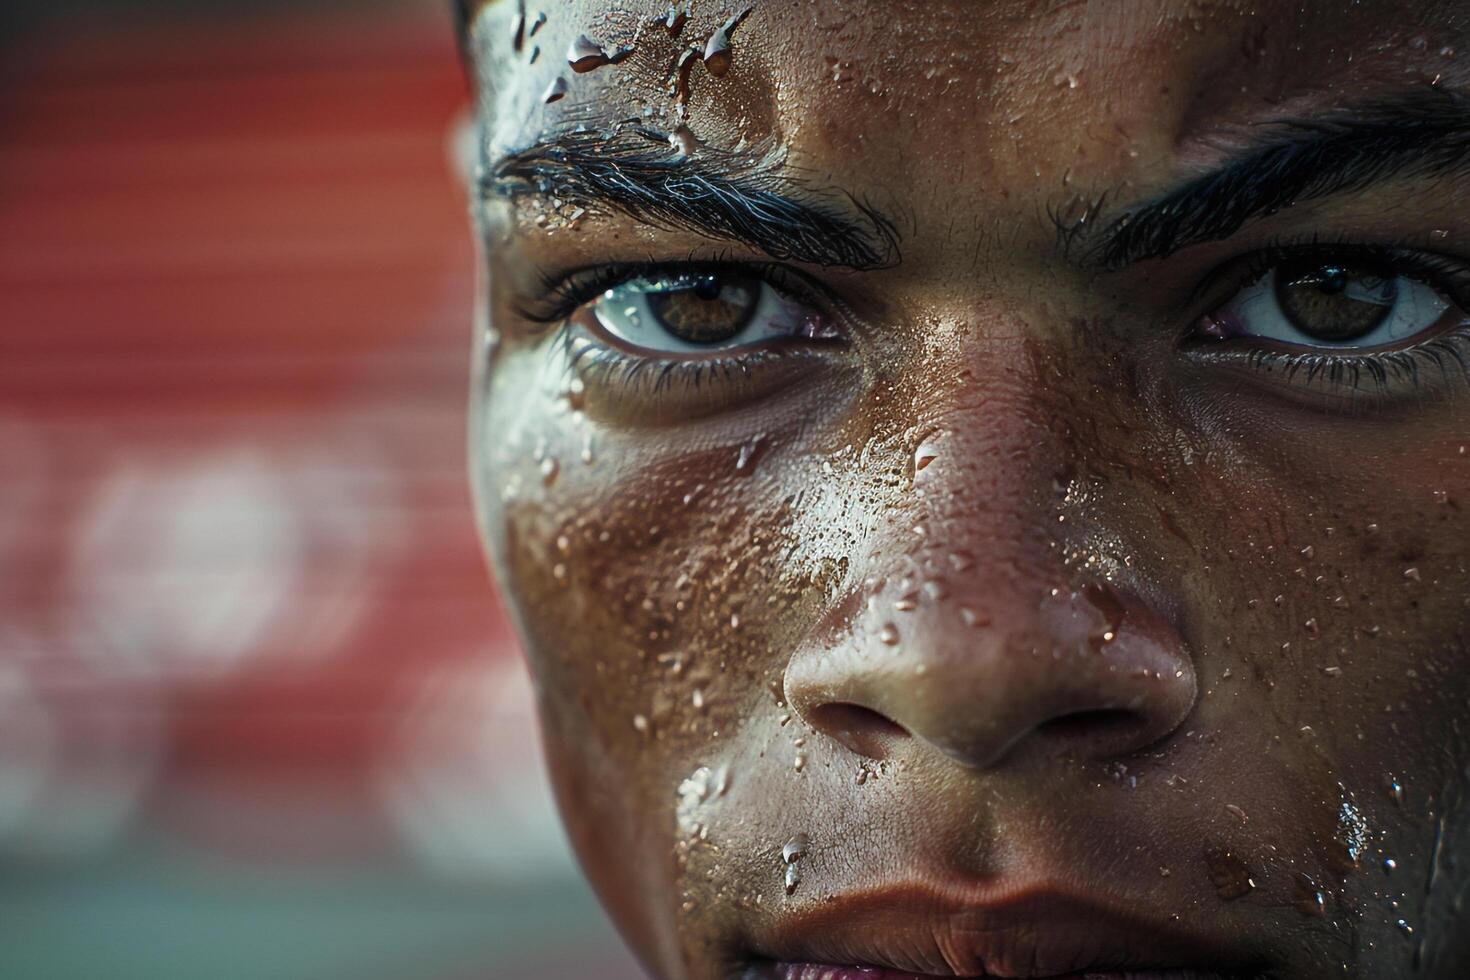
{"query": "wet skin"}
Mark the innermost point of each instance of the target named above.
(1050, 620)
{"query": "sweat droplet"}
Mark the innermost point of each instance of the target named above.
(556, 91)
(679, 77)
(889, 634)
(745, 459)
(585, 56)
(683, 140)
(518, 29)
(1229, 874)
(717, 57)
(674, 19)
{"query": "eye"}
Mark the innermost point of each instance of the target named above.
(1322, 304)
(701, 312)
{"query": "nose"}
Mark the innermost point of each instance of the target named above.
(1094, 672)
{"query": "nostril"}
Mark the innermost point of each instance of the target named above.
(1103, 724)
(862, 730)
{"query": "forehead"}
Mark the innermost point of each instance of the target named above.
(998, 90)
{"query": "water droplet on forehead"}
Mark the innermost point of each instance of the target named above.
(584, 55)
(795, 848)
(679, 80)
(518, 28)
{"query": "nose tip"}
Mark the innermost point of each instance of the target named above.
(1090, 673)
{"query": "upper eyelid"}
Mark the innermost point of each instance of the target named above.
(565, 293)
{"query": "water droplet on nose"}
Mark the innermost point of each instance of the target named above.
(907, 603)
(1411, 574)
(973, 619)
(640, 723)
(795, 849)
(536, 24)
(1235, 812)
(793, 878)
(889, 634)
(923, 456)
(577, 394)
(961, 561)
(550, 468)
(556, 91)
(697, 699)
(1389, 864)
(799, 763)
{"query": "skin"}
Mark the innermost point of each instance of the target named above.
(870, 601)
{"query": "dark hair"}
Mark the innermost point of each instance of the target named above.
(461, 17)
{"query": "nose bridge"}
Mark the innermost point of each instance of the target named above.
(967, 631)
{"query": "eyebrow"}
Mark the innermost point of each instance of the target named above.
(746, 198)
(1421, 133)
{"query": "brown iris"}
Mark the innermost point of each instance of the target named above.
(706, 309)
(1334, 303)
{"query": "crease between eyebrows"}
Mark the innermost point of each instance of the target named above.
(1420, 134)
(745, 197)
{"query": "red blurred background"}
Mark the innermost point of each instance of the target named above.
(259, 713)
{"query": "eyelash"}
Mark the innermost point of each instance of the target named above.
(1381, 370)
(564, 294)
(719, 380)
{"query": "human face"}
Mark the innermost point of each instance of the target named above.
(981, 491)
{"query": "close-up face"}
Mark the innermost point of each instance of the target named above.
(984, 486)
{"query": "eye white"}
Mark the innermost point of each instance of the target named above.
(624, 311)
(1256, 312)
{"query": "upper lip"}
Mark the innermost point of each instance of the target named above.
(1024, 931)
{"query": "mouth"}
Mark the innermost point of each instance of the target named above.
(918, 933)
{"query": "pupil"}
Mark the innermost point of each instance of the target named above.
(1332, 303)
(705, 309)
(1332, 280)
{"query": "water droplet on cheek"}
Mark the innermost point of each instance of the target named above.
(1229, 874)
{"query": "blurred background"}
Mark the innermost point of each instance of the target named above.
(260, 716)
